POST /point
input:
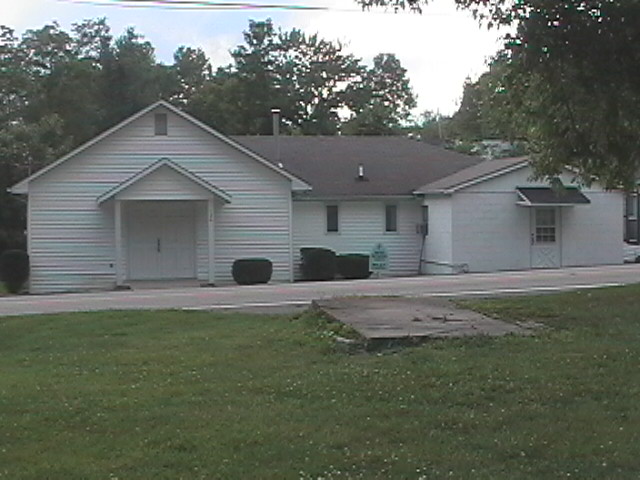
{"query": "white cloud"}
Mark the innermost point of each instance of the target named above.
(15, 14)
(217, 49)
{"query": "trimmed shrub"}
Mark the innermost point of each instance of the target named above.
(318, 263)
(12, 240)
(14, 269)
(251, 271)
(353, 266)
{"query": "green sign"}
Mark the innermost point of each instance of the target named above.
(379, 258)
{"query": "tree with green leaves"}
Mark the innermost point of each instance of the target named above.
(192, 70)
(382, 100)
(132, 77)
(254, 74)
(306, 77)
(313, 75)
(569, 81)
(486, 111)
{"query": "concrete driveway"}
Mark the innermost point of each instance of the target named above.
(301, 294)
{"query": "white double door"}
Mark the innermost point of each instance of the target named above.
(161, 240)
(545, 237)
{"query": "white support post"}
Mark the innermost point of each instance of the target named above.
(118, 233)
(291, 263)
(211, 229)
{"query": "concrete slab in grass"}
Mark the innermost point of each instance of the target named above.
(378, 318)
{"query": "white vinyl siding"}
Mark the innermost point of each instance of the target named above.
(166, 184)
(362, 226)
(73, 240)
(591, 234)
(491, 232)
(333, 218)
(438, 254)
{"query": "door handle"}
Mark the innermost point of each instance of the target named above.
(158, 245)
(532, 239)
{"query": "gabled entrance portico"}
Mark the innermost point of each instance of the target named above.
(156, 215)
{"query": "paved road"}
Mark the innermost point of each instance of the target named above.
(300, 294)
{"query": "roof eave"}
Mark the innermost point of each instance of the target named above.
(432, 192)
(346, 197)
(22, 186)
(481, 178)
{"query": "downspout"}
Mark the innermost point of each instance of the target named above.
(637, 216)
(275, 116)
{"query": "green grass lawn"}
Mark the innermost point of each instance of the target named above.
(173, 395)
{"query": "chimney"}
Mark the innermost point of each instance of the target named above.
(275, 113)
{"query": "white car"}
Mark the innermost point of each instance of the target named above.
(631, 253)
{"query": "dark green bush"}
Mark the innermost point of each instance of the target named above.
(318, 263)
(14, 269)
(251, 271)
(12, 240)
(353, 266)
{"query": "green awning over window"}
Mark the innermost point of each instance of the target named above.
(548, 197)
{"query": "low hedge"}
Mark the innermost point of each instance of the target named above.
(353, 266)
(12, 240)
(252, 271)
(318, 263)
(14, 269)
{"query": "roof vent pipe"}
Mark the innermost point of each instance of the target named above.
(275, 113)
(360, 171)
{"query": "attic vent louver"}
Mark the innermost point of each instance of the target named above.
(160, 124)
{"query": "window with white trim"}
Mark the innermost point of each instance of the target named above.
(632, 206)
(332, 219)
(545, 225)
(391, 218)
(631, 226)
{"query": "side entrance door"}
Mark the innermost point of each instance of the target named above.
(545, 237)
(161, 241)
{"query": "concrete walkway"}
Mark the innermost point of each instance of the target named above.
(396, 317)
(291, 295)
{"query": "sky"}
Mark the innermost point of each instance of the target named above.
(440, 48)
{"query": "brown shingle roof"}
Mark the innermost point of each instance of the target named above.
(481, 170)
(392, 165)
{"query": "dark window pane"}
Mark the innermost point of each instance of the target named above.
(332, 218)
(425, 220)
(161, 124)
(391, 218)
(632, 204)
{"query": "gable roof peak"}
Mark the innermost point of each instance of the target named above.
(23, 186)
